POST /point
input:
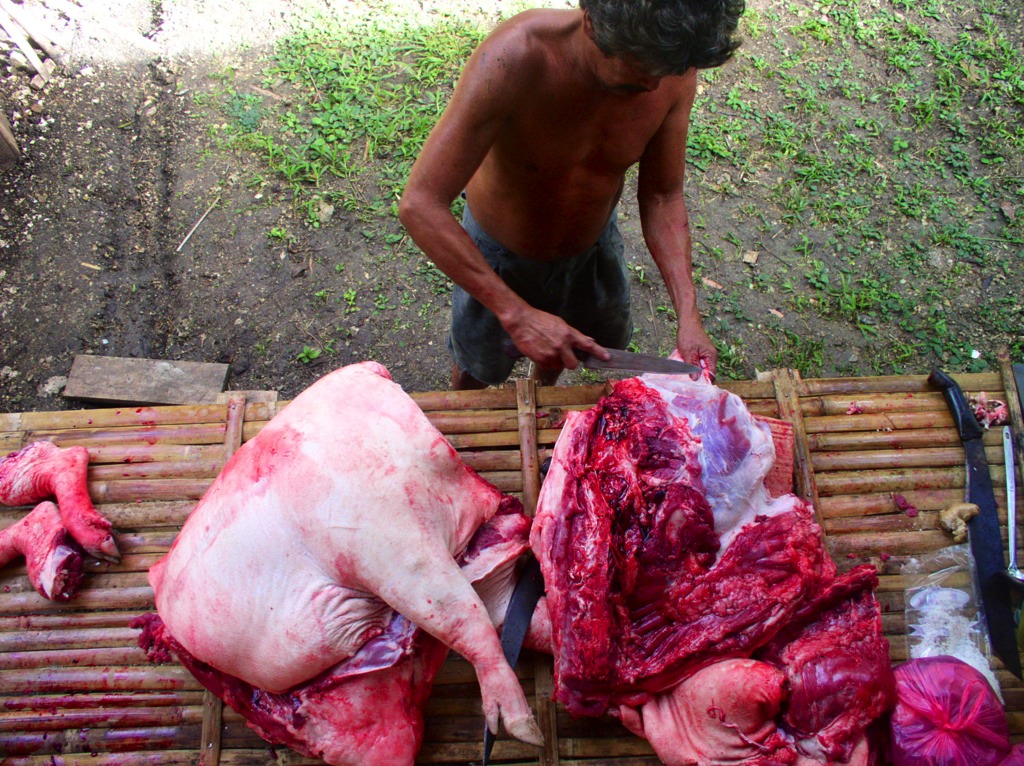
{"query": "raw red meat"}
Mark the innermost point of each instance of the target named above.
(836, 663)
(663, 553)
(349, 506)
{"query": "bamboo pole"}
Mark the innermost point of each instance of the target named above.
(115, 717)
(113, 417)
(487, 399)
(160, 453)
(883, 384)
(117, 598)
(942, 457)
(896, 480)
(564, 396)
(13, 30)
(167, 757)
(907, 543)
(547, 710)
(9, 151)
(139, 490)
(40, 37)
(27, 626)
(786, 383)
(886, 421)
(506, 481)
(202, 433)
(74, 638)
(892, 440)
(842, 506)
(102, 700)
(213, 706)
(125, 678)
(95, 740)
(192, 469)
(526, 400)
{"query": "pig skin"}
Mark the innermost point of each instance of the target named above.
(349, 504)
(367, 709)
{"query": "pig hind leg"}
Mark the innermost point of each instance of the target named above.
(428, 588)
(53, 558)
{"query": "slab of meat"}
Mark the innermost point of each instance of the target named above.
(837, 668)
(349, 506)
(664, 554)
(366, 709)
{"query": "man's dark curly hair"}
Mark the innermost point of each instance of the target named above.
(667, 36)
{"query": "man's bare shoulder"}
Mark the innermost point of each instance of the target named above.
(528, 39)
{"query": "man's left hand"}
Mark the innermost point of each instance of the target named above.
(694, 346)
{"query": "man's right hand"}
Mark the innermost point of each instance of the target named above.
(549, 341)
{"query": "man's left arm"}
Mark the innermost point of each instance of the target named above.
(666, 226)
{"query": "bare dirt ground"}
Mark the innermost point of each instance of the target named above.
(121, 161)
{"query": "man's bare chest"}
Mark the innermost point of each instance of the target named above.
(553, 139)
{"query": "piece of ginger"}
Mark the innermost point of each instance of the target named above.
(954, 519)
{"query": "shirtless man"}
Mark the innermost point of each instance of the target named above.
(551, 110)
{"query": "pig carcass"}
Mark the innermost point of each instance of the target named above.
(52, 537)
(336, 531)
(665, 556)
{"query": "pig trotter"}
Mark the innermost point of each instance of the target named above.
(43, 470)
(53, 558)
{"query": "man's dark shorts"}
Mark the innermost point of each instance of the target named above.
(589, 291)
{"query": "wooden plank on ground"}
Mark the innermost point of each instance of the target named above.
(9, 153)
(144, 381)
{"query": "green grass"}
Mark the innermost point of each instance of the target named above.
(877, 150)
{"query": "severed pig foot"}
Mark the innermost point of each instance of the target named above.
(53, 557)
(43, 470)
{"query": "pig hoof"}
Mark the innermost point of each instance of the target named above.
(106, 550)
(525, 730)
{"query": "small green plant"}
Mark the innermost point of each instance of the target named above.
(639, 271)
(308, 354)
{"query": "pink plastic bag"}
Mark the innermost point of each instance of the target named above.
(946, 715)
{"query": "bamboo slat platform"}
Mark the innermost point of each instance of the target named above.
(74, 689)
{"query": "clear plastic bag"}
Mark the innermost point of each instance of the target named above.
(943, 613)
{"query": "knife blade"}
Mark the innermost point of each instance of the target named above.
(622, 360)
(1011, 507)
(629, 360)
(529, 588)
(985, 541)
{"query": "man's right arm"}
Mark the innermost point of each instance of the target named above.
(496, 76)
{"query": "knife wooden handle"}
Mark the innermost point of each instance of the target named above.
(963, 415)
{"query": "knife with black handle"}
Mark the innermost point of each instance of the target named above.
(985, 538)
(528, 590)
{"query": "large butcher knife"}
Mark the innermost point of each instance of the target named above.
(527, 593)
(623, 360)
(986, 543)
